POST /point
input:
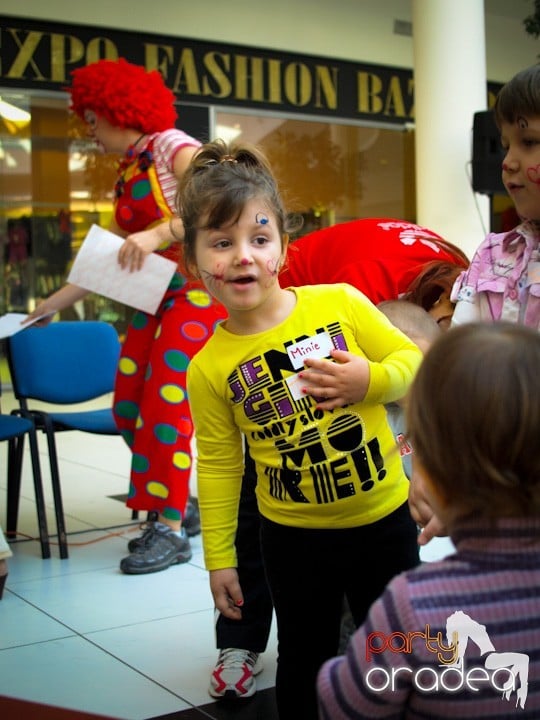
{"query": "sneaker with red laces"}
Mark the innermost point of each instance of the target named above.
(234, 674)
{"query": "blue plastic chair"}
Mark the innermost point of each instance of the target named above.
(64, 363)
(14, 429)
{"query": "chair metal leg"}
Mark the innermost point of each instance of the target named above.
(15, 447)
(40, 498)
(14, 474)
(56, 489)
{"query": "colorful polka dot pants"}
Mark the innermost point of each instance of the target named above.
(150, 400)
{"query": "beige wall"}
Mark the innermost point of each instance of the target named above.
(357, 30)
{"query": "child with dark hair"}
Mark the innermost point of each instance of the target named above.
(503, 280)
(468, 622)
(329, 484)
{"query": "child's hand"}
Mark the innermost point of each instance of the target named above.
(227, 592)
(422, 512)
(339, 383)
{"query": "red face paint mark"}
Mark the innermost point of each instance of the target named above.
(533, 174)
(244, 261)
(273, 267)
(213, 277)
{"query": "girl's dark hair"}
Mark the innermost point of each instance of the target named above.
(215, 188)
(436, 277)
(473, 418)
(520, 96)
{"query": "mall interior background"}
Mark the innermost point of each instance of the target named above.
(53, 186)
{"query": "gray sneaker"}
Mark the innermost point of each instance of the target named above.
(158, 548)
(191, 524)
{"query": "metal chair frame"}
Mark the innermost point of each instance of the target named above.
(14, 429)
(64, 363)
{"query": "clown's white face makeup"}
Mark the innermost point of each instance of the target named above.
(108, 137)
(521, 165)
(239, 264)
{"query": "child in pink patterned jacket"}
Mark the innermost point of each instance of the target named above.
(503, 280)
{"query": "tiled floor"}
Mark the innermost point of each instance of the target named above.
(79, 634)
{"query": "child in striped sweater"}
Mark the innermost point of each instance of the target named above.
(461, 637)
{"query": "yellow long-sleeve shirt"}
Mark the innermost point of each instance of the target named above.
(315, 469)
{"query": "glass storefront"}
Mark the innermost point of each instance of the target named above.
(54, 186)
(332, 172)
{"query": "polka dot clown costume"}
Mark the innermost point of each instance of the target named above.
(150, 401)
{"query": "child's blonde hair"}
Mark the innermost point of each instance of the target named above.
(473, 418)
(411, 319)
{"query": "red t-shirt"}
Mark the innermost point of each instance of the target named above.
(379, 256)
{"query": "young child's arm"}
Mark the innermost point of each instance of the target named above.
(390, 362)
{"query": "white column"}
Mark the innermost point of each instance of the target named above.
(450, 85)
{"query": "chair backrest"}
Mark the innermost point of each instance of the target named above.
(64, 362)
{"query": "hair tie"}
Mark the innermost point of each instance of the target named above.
(228, 159)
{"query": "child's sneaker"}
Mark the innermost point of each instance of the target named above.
(233, 676)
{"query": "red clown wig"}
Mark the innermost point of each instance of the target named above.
(127, 95)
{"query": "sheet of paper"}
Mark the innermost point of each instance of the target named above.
(96, 269)
(11, 323)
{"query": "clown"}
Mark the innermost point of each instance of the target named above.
(130, 111)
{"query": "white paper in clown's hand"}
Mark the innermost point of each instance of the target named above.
(96, 269)
(11, 323)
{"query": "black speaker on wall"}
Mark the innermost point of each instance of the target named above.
(487, 155)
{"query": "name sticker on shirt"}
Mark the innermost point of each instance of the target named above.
(316, 346)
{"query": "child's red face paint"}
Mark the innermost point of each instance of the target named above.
(533, 174)
(239, 262)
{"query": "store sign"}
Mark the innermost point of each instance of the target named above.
(41, 55)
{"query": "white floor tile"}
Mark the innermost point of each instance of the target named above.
(184, 657)
(96, 595)
(74, 673)
(23, 624)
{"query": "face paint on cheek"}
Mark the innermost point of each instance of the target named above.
(533, 174)
(213, 278)
(272, 267)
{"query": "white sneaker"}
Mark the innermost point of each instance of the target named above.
(233, 676)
